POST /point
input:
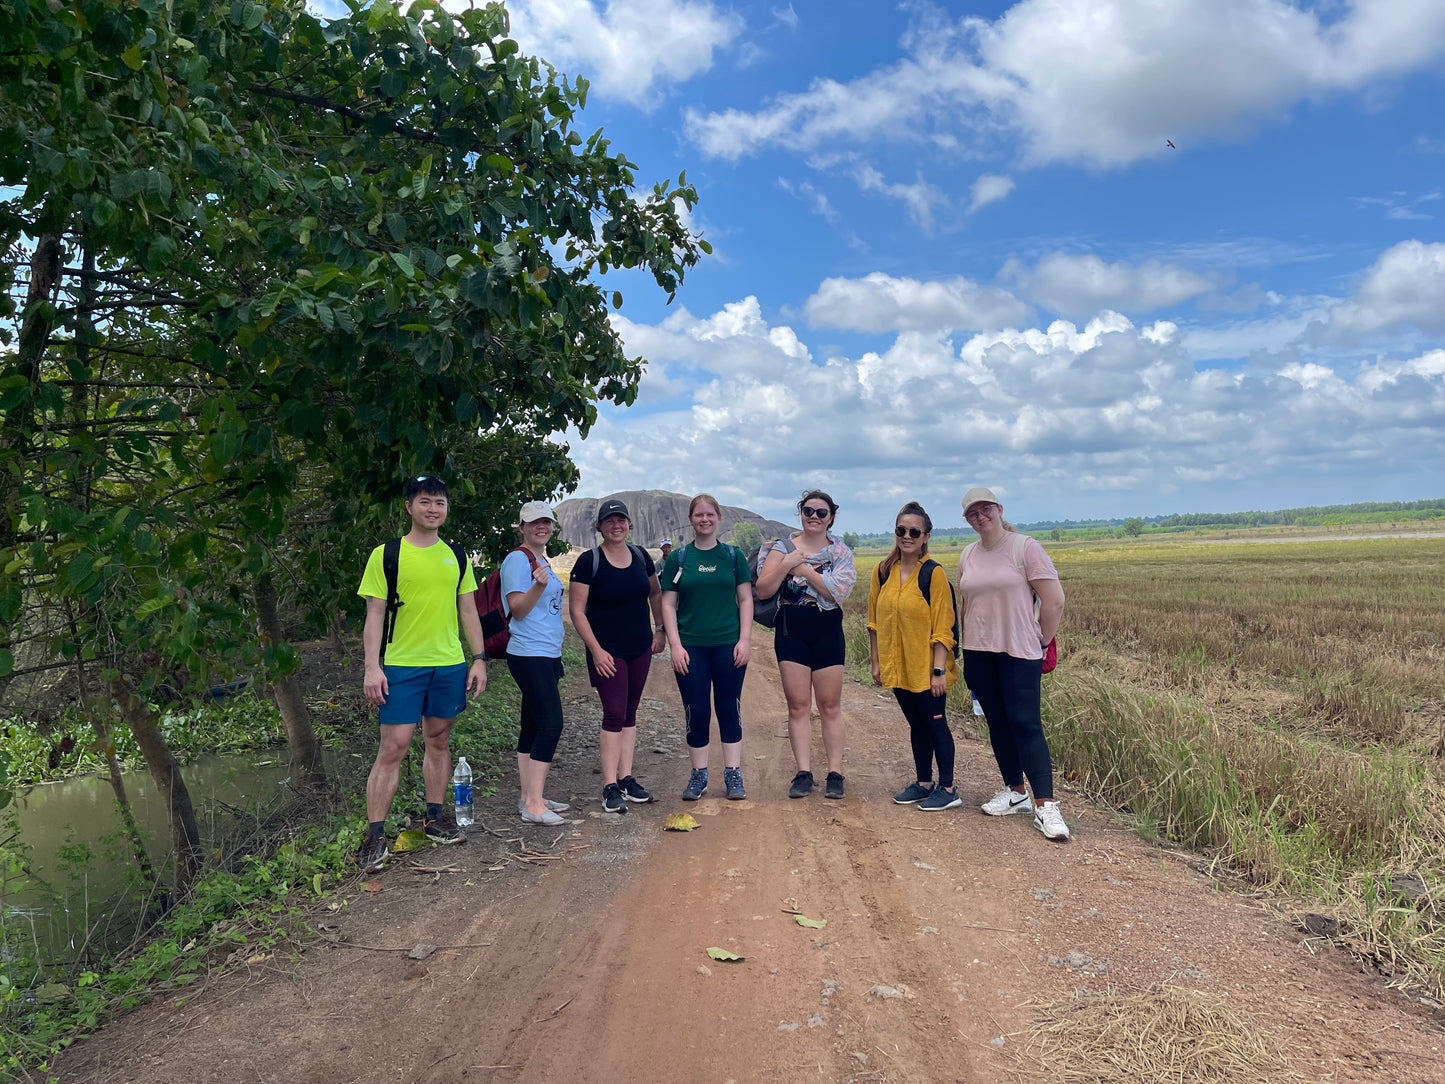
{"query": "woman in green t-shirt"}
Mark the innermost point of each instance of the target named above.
(707, 610)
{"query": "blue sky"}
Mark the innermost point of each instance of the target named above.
(954, 248)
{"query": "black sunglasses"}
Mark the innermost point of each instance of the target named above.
(820, 513)
(907, 532)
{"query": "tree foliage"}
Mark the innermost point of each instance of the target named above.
(264, 265)
(747, 535)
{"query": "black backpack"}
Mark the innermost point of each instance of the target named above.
(390, 567)
(924, 577)
(766, 611)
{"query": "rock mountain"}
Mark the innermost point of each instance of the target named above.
(656, 515)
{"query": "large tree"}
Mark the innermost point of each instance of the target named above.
(271, 264)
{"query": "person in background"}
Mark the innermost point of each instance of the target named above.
(1004, 635)
(910, 650)
(426, 678)
(666, 547)
(614, 586)
(814, 571)
(533, 593)
(707, 612)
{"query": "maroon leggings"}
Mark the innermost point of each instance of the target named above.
(622, 692)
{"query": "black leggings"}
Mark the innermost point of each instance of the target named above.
(928, 732)
(1008, 691)
(537, 676)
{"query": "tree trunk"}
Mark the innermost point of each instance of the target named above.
(185, 832)
(308, 773)
(101, 726)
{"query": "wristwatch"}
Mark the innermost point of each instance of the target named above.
(938, 671)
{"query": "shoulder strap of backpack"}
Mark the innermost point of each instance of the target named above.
(638, 553)
(925, 578)
(681, 560)
(391, 569)
(462, 561)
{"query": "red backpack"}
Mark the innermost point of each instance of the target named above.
(492, 610)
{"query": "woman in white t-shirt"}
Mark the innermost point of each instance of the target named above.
(1004, 636)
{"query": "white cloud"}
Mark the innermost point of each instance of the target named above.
(1405, 287)
(880, 302)
(1081, 285)
(920, 197)
(1069, 414)
(1102, 82)
(627, 48)
(989, 188)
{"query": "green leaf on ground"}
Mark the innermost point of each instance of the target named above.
(724, 955)
(410, 840)
(679, 822)
(811, 923)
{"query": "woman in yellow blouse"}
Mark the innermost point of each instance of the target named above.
(910, 648)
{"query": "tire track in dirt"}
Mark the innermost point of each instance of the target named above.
(595, 966)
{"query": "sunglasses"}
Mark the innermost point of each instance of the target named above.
(978, 511)
(820, 513)
(907, 532)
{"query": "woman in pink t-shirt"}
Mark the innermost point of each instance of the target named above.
(1004, 635)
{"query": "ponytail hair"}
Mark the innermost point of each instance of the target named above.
(912, 508)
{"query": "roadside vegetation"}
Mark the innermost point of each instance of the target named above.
(1277, 708)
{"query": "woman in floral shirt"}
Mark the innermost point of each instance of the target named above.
(814, 572)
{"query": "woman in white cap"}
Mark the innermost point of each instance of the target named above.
(533, 594)
(1004, 635)
(613, 587)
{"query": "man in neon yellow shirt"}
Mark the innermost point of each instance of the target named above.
(425, 678)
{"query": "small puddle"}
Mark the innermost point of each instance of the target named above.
(77, 848)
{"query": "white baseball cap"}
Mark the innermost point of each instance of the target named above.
(535, 510)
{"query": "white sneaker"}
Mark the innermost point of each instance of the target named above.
(545, 817)
(1049, 821)
(1008, 801)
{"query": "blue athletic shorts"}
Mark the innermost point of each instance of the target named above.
(414, 691)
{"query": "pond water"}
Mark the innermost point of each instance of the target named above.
(81, 862)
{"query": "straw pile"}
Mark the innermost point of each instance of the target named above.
(1168, 1035)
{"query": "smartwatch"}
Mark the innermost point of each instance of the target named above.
(938, 671)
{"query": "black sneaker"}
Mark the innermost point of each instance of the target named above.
(634, 791)
(443, 829)
(802, 785)
(613, 800)
(372, 854)
(833, 787)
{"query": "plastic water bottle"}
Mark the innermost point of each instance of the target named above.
(462, 792)
(977, 709)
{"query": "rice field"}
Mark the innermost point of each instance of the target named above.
(1279, 708)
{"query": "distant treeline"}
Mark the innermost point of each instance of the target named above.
(1325, 515)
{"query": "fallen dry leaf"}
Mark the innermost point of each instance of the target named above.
(679, 822)
(371, 886)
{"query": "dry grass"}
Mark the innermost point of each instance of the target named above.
(1277, 707)
(1168, 1035)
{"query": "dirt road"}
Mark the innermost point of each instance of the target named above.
(944, 933)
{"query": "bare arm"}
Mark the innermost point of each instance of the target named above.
(472, 629)
(776, 568)
(1051, 607)
(373, 683)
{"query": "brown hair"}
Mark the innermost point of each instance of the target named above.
(704, 497)
(912, 508)
(819, 495)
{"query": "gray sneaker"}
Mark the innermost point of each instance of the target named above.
(696, 786)
(940, 798)
(733, 780)
(914, 792)
(555, 807)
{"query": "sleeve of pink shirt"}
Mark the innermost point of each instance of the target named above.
(1037, 564)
